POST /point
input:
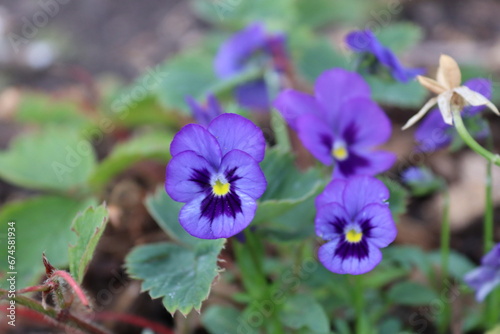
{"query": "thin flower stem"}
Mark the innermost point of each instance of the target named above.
(359, 302)
(471, 142)
(445, 255)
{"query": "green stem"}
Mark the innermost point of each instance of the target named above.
(445, 255)
(359, 303)
(471, 142)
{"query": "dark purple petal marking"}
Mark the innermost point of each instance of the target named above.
(201, 177)
(350, 134)
(346, 249)
(214, 206)
(348, 167)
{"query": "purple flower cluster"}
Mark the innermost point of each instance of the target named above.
(215, 171)
(251, 46)
(433, 133)
(364, 41)
(355, 220)
(340, 125)
(487, 277)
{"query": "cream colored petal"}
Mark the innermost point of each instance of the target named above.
(474, 98)
(448, 73)
(431, 84)
(444, 103)
(421, 113)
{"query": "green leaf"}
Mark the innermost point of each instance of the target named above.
(181, 275)
(88, 226)
(55, 159)
(148, 146)
(304, 312)
(44, 110)
(391, 325)
(398, 199)
(287, 187)
(42, 225)
(411, 294)
(383, 275)
(400, 36)
(458, 264)
(186, 75)
(221, 319)
(395, 93)
(407, 257)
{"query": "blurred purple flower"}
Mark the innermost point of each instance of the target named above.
(355, 220)
(364, 41)
(434, 134)
(487, 277)
(251, 45)
(340, 125)
(216, 172)
(204, 114)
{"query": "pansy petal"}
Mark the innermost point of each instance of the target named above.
(333, 193)
(415, 118)
(383, 230)
(474, 98)
(433, 133)
(196, 138)
(360, 40)
(253, 95)
(330, 221)
(292, 104)
(351, 265)
(431, 84)
(317, 137)
(448, 73)
(483, 280)
(335, 87)
(188, 175)
(492, 259)
(222, 224)
(246, 173)
(364, 163)
(363, 190)
(236, 132)
(444, 103)
(363, 124)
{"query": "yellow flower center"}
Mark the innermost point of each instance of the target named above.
(339, 152)
(221, 189)
(353, 236)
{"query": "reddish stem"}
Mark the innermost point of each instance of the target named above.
(76, 288)
(134, 320)
(36, 288)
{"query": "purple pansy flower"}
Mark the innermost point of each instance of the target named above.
(487, 277)
(434, 134)
(340, 125)
(364, 41)
(355, 220)
(251, 44)
(216, 172)
(204, 114)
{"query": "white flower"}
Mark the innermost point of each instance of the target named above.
(451, 96)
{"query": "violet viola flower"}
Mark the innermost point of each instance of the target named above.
(340, 125)
(204, 114)
(216, 172)
(487, 277)
(434, 134)
(250, 45)
(355, 220)
(364, 41)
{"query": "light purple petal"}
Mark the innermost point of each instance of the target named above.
(483, 280)
(333, 193)
(433, 133)
(250, 178)
(222, 226)
(180, 171)
(361, 191)
(233, 54)
(492, 259)
(292, 104)
(383, 229)
(351, 265)
(253, 95)
(335, 87)
(363, 124)
(317, 137)
(328, 220)
(364, 163)
(196, 138)
(236, 132)
(360, 40)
